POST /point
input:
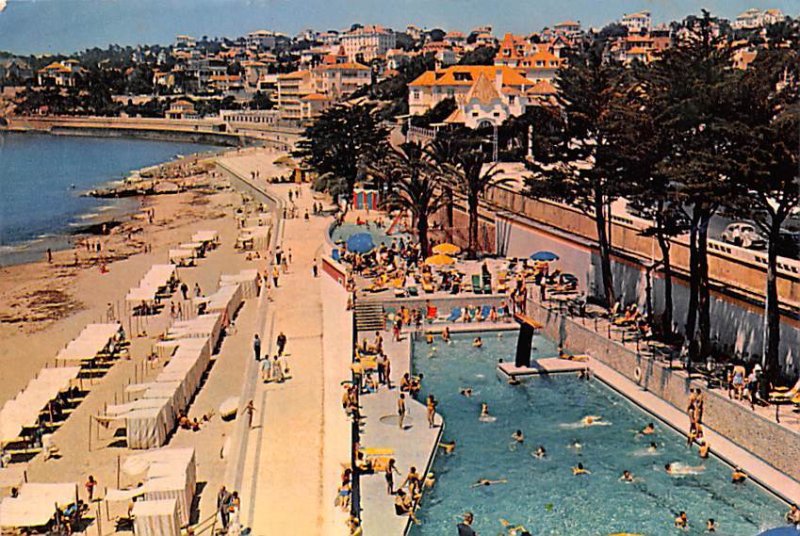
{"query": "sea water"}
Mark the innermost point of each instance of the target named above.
(542, 494)
(42, 178)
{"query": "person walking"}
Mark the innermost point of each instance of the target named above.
(90, 484)
(223, 506)
(250, 409)
(281, 343)
(275, 275)
(401, 410)
(315, 268)
(257, 347)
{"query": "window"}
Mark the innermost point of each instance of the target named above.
(496, 114)
(416, 94)
(474, 114)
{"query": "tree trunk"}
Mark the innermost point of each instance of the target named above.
(422, 233)
(666, 317)
(472, 242)
(772, 318)
(694, 283)
(448, 192)
(605, 249)
(704, 292)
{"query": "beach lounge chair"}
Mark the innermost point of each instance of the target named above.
(455, 314)
(432, 313)
(477, 285)
(486, 310)
(778, 396)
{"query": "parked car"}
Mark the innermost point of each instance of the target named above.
(789, 244)
(743, 234)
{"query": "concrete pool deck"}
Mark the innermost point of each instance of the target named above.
(414, 446)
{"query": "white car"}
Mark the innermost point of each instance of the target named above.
(743, 234)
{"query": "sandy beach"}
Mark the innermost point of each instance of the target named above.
(60, 298)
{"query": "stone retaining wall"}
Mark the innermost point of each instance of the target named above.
(776, 445)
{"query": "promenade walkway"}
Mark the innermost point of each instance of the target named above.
(299, 437)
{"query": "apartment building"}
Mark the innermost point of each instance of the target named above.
(637, 22)
(367, 43)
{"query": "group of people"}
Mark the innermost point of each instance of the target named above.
(228, 505)
(275, 369)
(631, 317)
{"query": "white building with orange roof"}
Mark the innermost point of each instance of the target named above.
(569, 28)
(443, 53)
(485, 94)
(366, 43)
(637, 22)
(541, 65)
(61, 74)
(455, 38)
(292, 87)
(757, 18)
(313, 104)
(512, 49)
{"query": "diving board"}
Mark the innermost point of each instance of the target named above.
(527, 328)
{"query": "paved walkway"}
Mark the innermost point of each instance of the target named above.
(296, 447)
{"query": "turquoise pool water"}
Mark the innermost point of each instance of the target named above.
(542, 494)
(379, 236)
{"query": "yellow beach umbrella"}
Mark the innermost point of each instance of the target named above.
(447, 248)
(439, 260)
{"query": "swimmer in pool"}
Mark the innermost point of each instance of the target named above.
(466, 391)
(518, 436)
(446, 334)
(487, 482)
(738, 476)
(447, 447)
(580, 470)
(681, 521)
(653, 447)
(627, 476)
(594, 420)
(513, 530)
(680, 469)
(649, 429)
(477, 343)
(576, 444)
(429, 338)
(485, 410)
(705, 448)
(540, 452)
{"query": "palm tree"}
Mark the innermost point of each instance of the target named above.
(413, 179)
(471, 180)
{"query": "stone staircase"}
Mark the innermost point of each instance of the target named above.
(369, 316)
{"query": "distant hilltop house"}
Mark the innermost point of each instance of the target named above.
(185, 41)
(637, 22)
(485, 95)
(757, 18)
(569, 28)
(367, 43)
(182, 109)
(14, 69)
(261, 40)
(61, 74)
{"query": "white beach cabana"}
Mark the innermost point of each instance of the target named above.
(156, 518)
(35, 506)
(249, 280)
(94, 340)
(23, 410)
(181, 257)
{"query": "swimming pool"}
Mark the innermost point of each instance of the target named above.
(379, 236)
(542, 494)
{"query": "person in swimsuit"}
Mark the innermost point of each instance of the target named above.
(580, 470)
(389, 472)
(518, 436)
(627, 476)
(649, 429)
(540, 452)
(401, 410)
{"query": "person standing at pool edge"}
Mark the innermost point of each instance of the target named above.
(401, 409)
